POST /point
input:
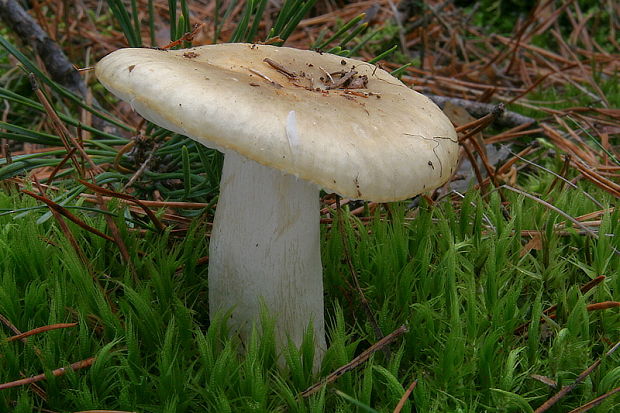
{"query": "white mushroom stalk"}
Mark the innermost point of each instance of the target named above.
(265, 247)
(289, 122)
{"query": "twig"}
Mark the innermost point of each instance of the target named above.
(342, 80)
(478, 126)
(187, 37)
(593, 403)
(280, 68)
(365, 355)
(479, 109)
(590, 197)
(140, 170)
(61, 164)
(126, 197)
(545, 380)
(56, 62)
(56, 123)
(474, 165)
(554, 208)
(68, 140)
(65, 212)
(58, 372)
(566, 389)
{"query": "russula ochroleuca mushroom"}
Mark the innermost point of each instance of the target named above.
(289, 123)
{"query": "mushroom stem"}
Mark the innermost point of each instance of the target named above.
(265, 248)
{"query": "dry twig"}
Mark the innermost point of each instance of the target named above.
(58, 372)
(567, 389)
(365, 355)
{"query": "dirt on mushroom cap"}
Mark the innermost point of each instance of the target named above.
(343, 124)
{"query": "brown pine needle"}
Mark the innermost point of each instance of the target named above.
(58, 372)
(40, 330)
(554, 208)
(187, 37)
(365, 355)
(68, 140)
(65, 212)
(61, 222)
(593, 403)
(103, 191)
(567, 389)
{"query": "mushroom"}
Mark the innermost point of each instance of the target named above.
(289, 122)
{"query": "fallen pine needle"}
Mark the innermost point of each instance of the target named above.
(365, 355)
(58, 372)
(566, 389)
(593, 403)
(40, 330)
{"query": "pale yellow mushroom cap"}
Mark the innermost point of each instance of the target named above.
(372, 139)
